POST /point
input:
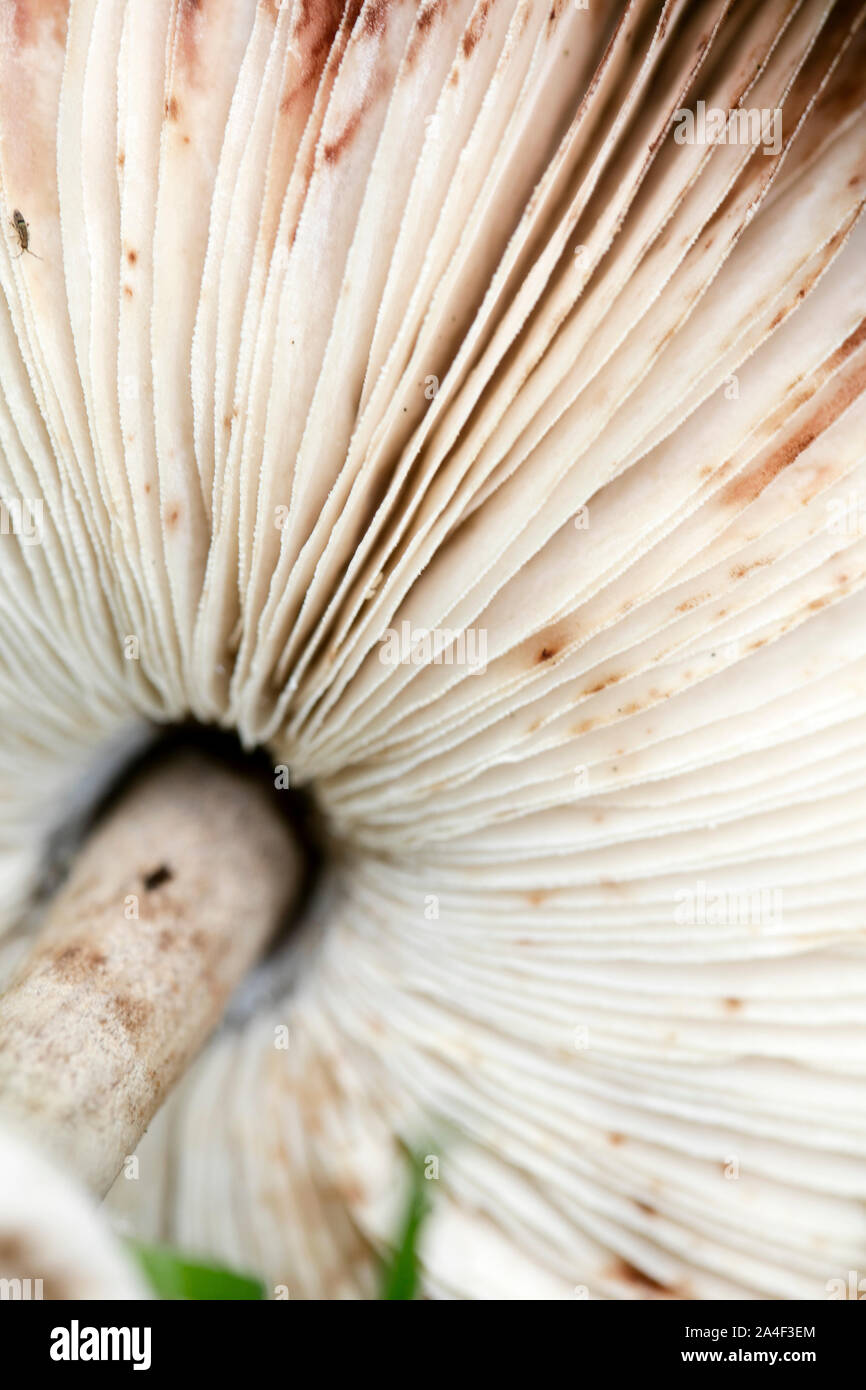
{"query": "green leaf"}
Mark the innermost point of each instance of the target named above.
(401, 1276)
(172, 1276)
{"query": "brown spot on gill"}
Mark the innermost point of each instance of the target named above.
(645, 1207)
(605, 681)
(584, 727)
(747, 486)
(189, 19)
(615, 1138)
(854, 340)
(332, 150)
(732, 1004)
(428, 13)
(627, 1273)
(546, 654)
(132, 256)
(474, 29)
(740, 571)
(172, 516)
(691, 602)
(554, 13)
(423, 25)
(375, 17)
(316, 47)
(172, 108)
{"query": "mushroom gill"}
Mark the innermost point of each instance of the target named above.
(439, 398)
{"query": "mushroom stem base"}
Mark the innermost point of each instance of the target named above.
(171, 900)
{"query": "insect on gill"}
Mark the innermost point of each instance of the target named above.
(22, 231)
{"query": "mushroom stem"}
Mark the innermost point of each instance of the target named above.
(168, 904)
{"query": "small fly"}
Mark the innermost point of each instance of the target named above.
(22, 231)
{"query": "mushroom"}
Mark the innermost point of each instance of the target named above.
(462, 402)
